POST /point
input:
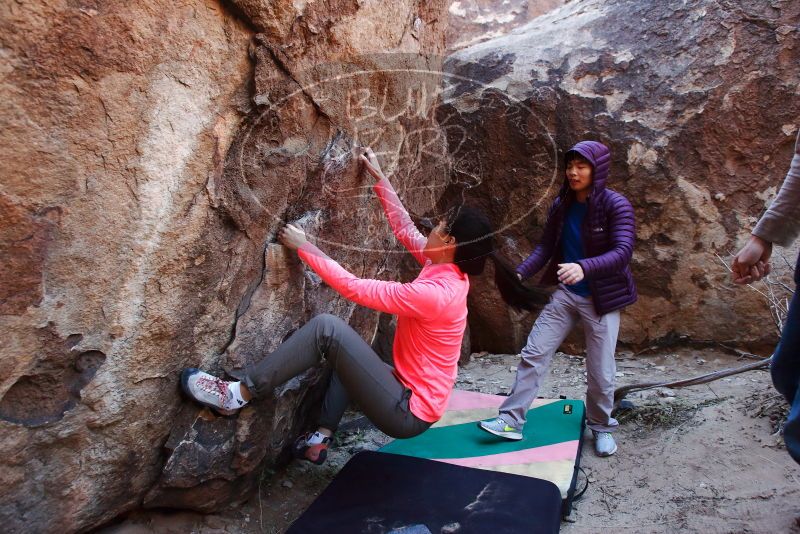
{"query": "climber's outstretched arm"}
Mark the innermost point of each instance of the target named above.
(402, 225)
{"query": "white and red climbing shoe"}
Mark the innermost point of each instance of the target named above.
(210, 391)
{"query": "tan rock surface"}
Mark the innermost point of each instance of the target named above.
(113, 118)
(146, 170)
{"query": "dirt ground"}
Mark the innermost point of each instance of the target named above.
(702, 459)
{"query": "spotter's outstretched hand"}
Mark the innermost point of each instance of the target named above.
(751, 264)
(569, 273)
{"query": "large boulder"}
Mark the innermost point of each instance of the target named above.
(697, 101)
(150, 152)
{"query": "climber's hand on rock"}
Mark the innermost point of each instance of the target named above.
(371, 164)
(292, 237)
(569, 273)
(751, 263)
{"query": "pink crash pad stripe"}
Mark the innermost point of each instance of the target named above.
(471, 400)
(567, 450)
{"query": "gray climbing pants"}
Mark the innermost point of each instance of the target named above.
(557, 319)
(359, 374)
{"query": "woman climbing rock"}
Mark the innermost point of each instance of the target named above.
(401, 400)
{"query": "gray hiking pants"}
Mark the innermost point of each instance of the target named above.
(358, 374)
(557, 319)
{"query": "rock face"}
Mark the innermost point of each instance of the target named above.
(474, 21)
(698, 103)
(150, 152)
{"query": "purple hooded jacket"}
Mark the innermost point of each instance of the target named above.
(608, 233)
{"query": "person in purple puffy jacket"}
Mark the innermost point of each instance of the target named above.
(587, 246)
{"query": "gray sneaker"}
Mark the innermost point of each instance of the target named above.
(499, 427)
(604, 444)
(208, 390)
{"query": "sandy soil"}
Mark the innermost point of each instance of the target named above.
(702, 459)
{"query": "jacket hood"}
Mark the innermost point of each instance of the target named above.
(599, 156)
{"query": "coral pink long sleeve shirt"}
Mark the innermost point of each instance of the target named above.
(431, 311)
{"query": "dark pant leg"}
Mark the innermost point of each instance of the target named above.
(334, 404)
(362, 375)
(299, 353)
(785, 370)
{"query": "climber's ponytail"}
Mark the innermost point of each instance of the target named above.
(474, 245)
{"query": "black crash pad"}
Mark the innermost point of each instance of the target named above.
(380, 493)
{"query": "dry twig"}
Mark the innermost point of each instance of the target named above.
(621, 392)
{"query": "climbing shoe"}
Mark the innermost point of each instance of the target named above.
(211, 391)
(499, 427)
(316, 453)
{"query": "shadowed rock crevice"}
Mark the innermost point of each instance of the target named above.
(51, 390)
